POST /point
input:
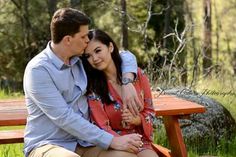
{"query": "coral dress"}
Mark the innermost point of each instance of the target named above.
(108, 116)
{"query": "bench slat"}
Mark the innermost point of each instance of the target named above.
(11, 136)
(170, 107)
(161, 151)
(17, 136)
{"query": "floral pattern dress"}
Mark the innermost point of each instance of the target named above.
(108, 116)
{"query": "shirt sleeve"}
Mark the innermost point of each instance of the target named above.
(129, 63)
(99, 116)
(40, 88)
(148, 111)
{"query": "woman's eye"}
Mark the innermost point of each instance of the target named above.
(97, 51)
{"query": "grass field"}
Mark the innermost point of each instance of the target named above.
(225, 94)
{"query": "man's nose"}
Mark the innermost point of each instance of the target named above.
(87, 40)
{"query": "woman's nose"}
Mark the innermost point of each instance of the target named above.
(94, 57)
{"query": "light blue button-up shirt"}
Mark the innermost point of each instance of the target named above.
(57, 107)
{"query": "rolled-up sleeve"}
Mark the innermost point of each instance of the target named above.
(129, 63)
(41, 89)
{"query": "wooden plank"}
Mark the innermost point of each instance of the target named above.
(170, 107)
(161, 151)
(13, 118)
(175, 138)
(12, 111)
(11, 136)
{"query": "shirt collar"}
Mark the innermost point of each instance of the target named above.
(57, 61)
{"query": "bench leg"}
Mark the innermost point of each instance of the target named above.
(175, 137)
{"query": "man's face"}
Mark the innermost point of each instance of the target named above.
(79, 41)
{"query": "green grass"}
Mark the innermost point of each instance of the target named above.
(221, 89)
(223, 149)
(11, 150)
(10, 95)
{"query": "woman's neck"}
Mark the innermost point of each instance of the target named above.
(111, 73)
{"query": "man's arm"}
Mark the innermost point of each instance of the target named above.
(40, 88)
(129, 94)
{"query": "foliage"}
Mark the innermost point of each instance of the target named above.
(10, 95)
(165, 35)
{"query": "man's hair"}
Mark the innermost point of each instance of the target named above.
(97, 79)
(67, 21)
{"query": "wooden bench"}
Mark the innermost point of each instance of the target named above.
(171, 108)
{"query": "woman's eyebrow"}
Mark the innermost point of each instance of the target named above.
(96, 48)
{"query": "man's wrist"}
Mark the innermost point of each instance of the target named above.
(126, 80)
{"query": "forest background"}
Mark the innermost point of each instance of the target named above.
(179, 43)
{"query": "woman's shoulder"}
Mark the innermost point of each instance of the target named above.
(140, 72)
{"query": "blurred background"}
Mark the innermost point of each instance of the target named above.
(178, 42)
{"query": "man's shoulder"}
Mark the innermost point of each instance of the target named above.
(39, 60)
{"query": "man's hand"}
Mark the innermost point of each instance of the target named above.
(130, 143)
(129, 118)
(130, 99)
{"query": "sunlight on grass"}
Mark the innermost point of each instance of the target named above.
(222, 90)
(9, 95)
(11, 150)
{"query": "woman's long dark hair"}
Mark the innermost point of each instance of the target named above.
(97, 81)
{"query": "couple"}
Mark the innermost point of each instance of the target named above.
(59, 94)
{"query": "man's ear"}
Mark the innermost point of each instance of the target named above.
(111, 47)
(66, 40)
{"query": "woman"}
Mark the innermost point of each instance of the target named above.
(102, 61)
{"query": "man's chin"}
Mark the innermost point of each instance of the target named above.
(80, 53)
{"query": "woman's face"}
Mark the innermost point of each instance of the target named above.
(99, 54)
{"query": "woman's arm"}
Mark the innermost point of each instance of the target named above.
(148, 112)
(145, 117)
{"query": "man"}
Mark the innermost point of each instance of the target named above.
(54, 85)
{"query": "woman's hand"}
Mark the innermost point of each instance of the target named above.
(129, 118)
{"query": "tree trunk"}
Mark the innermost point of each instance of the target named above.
(52, 6)
(75, 4)
(182, 66)
(207, 45)
(194, 50)
(234, 62)
(124, 27)
(167, 22)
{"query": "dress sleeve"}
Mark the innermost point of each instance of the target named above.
(99, 116)
(148, 112)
